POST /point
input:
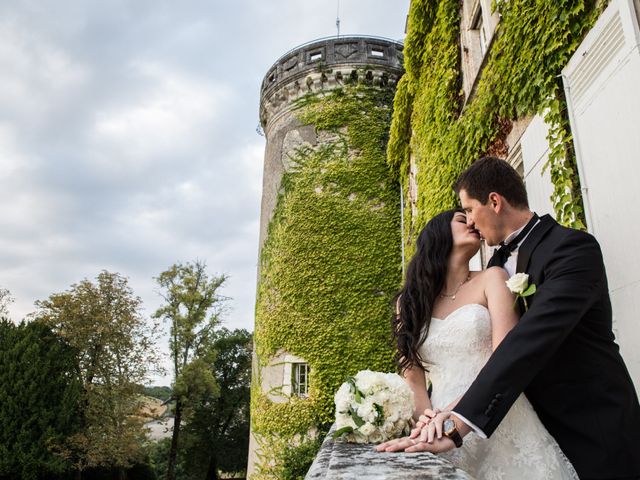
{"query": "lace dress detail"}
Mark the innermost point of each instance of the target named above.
(455, 351)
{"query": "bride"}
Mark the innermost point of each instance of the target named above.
(448, 322)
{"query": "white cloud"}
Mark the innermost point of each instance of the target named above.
(37, 74)
(173, 114)
(11, 158)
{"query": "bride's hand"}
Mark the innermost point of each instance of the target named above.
(424, 419)
(434, 428)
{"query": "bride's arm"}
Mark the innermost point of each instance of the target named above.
(500, 302)
(415, 378)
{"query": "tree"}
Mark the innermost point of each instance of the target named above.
(192, 308)
(102, 321)
(217, 429)
(5, 300)
(39, 400)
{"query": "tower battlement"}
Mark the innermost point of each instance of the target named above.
(325, 64)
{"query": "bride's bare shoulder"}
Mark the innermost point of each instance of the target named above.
(493, 275)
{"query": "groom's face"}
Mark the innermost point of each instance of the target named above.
(481, 217)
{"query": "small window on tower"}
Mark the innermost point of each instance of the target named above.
(477, 23)
(300, 379)
(315, 56)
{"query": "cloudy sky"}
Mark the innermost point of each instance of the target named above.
(128, 135)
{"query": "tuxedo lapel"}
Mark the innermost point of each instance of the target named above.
(529, 244)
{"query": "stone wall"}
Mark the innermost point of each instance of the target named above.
(342, 461)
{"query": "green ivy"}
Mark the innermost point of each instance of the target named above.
(534, 41)
(330, 264)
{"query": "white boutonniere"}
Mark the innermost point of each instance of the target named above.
(519, 285)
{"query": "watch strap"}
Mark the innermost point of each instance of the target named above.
(454, 435)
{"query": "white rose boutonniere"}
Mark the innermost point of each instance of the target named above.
(519, 284)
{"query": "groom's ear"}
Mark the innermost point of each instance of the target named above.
(496, 202)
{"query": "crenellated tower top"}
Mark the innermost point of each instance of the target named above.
(325, 64)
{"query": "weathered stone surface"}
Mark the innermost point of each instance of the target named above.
(345, 461)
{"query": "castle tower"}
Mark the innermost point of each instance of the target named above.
(329, 236)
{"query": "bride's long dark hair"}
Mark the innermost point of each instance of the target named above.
(425, 279)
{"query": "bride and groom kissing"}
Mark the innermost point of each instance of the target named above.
(481, 347)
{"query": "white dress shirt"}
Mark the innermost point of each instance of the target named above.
(512, 261)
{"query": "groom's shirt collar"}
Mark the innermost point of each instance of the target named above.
(512, 261)
(513, 235)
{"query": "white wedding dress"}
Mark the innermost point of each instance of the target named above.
(455, 350)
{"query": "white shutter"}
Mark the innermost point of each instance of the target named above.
(602, 82)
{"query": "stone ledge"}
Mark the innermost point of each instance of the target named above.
(346, 461)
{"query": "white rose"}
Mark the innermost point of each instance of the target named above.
(343, 420)
(518, 283)
(367, 429)
(376, 437)
(366, 413)
(393, 416)
(357, 437)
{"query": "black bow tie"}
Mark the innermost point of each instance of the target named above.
(502, 254)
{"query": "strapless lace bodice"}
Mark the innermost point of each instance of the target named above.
(456, 349)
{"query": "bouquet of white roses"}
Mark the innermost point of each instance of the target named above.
(373, 407)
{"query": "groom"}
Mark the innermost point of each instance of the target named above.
(561, 353)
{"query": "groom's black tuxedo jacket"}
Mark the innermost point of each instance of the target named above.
(562, 354)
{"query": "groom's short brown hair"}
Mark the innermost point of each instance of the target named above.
(491, 174)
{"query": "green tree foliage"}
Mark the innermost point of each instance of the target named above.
(159, 459)
(296, 459)
(217, 428)
(192, 307)
(102, 321)
(39, 400)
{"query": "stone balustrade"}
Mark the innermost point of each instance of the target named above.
(345, 461)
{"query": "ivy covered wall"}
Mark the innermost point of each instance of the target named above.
(433, 125)
(330, 264)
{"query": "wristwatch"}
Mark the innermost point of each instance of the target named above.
(451, 432)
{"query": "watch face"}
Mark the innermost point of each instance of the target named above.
(449, 425)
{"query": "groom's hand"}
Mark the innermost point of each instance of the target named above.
(424, 420)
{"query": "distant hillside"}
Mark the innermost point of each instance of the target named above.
(161, 392)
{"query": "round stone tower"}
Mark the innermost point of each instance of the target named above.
(329, 235)
(315, 67)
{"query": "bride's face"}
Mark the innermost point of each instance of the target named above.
(463, 236)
